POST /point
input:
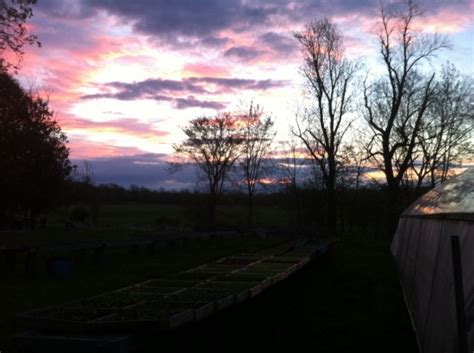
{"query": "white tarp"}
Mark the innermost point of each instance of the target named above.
(422, 251)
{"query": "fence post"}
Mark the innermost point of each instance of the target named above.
(152, 248)
(459, 294)
(99, 253)
(30, 267)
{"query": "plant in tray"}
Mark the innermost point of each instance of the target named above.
(269, 266)
(249, 257)
(275, 250)
(247, 277)
(238, 261)
(192, 275)
(258, 271)
(170, 283)
(283, 259)
(77, 313)
(201, 295)
(215, 270)
(116, 300)
(157, 290)
(144, 314)
(231, 285)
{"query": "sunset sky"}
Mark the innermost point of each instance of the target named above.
(123, 76)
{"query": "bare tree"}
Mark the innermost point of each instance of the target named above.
(453, 109)
(353, 163)
(13, 30)
(446, 135)
(213, 145)
(397, 103)
(329, 76)
(88, 173)
(257, 136)
(291, 162)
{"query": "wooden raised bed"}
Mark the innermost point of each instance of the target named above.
(167, 303)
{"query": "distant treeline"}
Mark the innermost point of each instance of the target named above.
(360, 209)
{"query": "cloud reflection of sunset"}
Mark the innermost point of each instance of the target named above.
(91, 48)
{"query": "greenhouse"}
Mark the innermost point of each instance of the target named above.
(433, 249)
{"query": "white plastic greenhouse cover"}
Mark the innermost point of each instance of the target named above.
(422, 251)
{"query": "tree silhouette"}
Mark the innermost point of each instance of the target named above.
(329, 76)
(446, 134)
(257, 136)
(397, 103)
(13, 30)
(290, 164)
(213, 145)
(33, 155)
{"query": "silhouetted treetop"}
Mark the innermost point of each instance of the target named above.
(13, 31)
(33, 153)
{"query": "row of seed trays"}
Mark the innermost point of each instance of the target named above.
(179, 299)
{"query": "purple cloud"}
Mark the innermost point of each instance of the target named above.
(244, 53)
(171, 90)
(284, 44)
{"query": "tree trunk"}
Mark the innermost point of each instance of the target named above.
(393, 209)
(341, 211)
(212, 210)
(332, 219)
(433, 179)
(298, 207)
(250, 209)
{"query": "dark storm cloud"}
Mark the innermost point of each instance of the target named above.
(178, 103)
(279, 42)
(212, 41)
(227, 84)
(172, 90)
(244, 53)
(153, 86)
(182, 24)
(148, 170)
(152, 171)
(191, 102)
(166, 18)
(66, 9)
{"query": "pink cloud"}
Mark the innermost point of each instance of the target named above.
(205, 70)
(447, 20)
(62, 71)
(83, 149)
(450, 19)
(75, 49)
(124, 126)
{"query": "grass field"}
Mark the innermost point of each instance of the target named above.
(132, 220)
(347, 301)
(117, 269)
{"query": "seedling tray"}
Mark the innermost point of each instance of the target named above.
(145, 320)
(169, 283)
(237, 261)
(203, 310)
(193, 275)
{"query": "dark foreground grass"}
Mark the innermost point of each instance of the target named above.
(138, 220)
(347, 301)
(117, 269)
